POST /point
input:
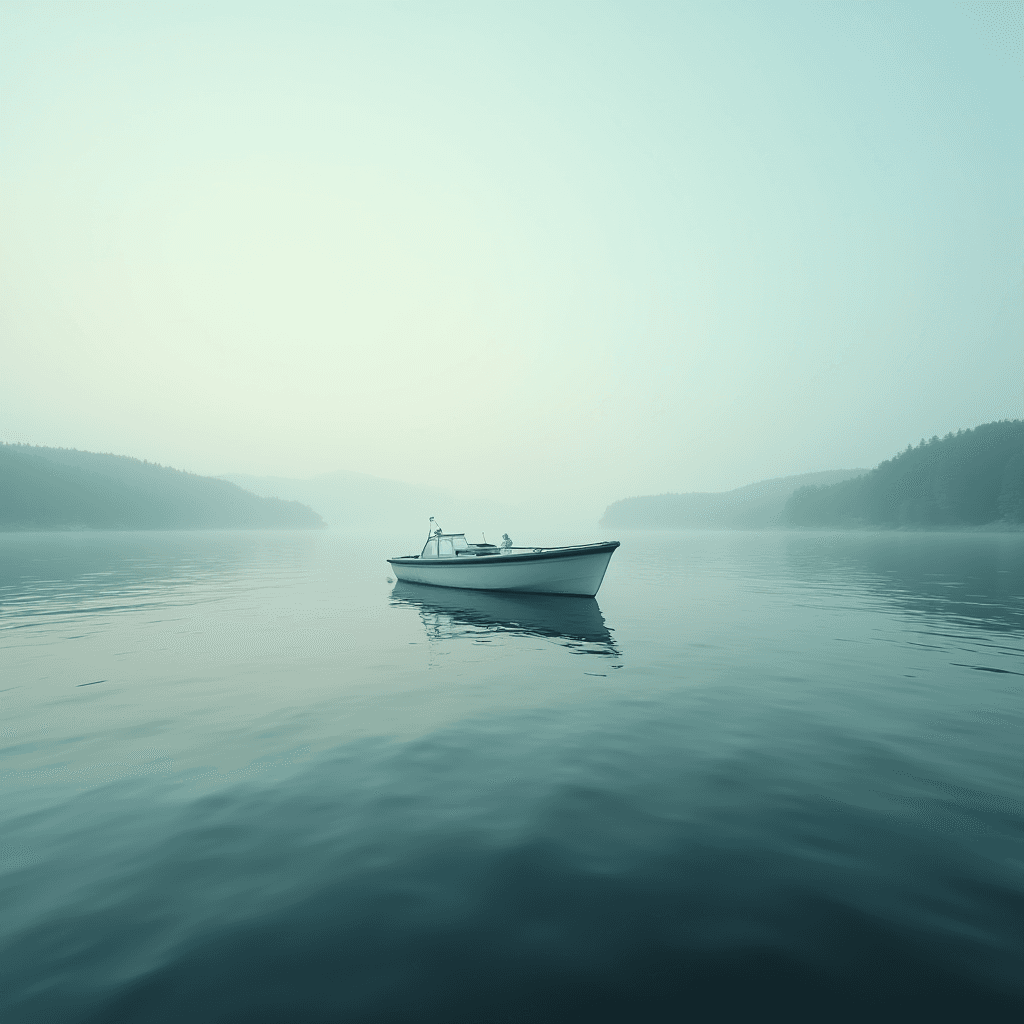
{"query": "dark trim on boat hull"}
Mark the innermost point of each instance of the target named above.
(523, 556)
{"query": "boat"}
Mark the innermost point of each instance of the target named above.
(449, 560)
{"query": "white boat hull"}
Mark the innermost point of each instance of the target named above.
(572, 570)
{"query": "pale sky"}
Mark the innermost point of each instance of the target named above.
(511, 249)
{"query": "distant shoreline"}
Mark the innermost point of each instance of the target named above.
(789, 530)
(45, 490)
(5, 529)
(968, 482)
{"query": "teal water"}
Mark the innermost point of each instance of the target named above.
(246, 778)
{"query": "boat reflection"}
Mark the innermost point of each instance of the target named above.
(448, 613)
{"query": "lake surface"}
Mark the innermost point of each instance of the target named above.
(246, 778)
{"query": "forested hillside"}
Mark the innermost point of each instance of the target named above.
(57, 488)
(753, 507)
(971, 478)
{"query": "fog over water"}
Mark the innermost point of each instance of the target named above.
(525, 251)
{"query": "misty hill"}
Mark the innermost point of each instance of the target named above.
(971, 478)
(59, 488)
(756, 506)
(349, 500)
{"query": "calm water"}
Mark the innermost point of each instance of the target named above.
(245, 778)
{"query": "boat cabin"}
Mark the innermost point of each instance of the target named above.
(452, 545)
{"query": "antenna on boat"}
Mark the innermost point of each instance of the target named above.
(434, 527)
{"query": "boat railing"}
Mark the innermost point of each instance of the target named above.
(475, 552)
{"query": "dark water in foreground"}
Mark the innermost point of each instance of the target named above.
(763, 776)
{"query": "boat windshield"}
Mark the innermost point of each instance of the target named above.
(445, 545)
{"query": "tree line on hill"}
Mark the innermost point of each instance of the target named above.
(756, 506)
(968, 479)
(60, 488)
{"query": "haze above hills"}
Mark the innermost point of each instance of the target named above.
(358, 501)
(662, 247)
